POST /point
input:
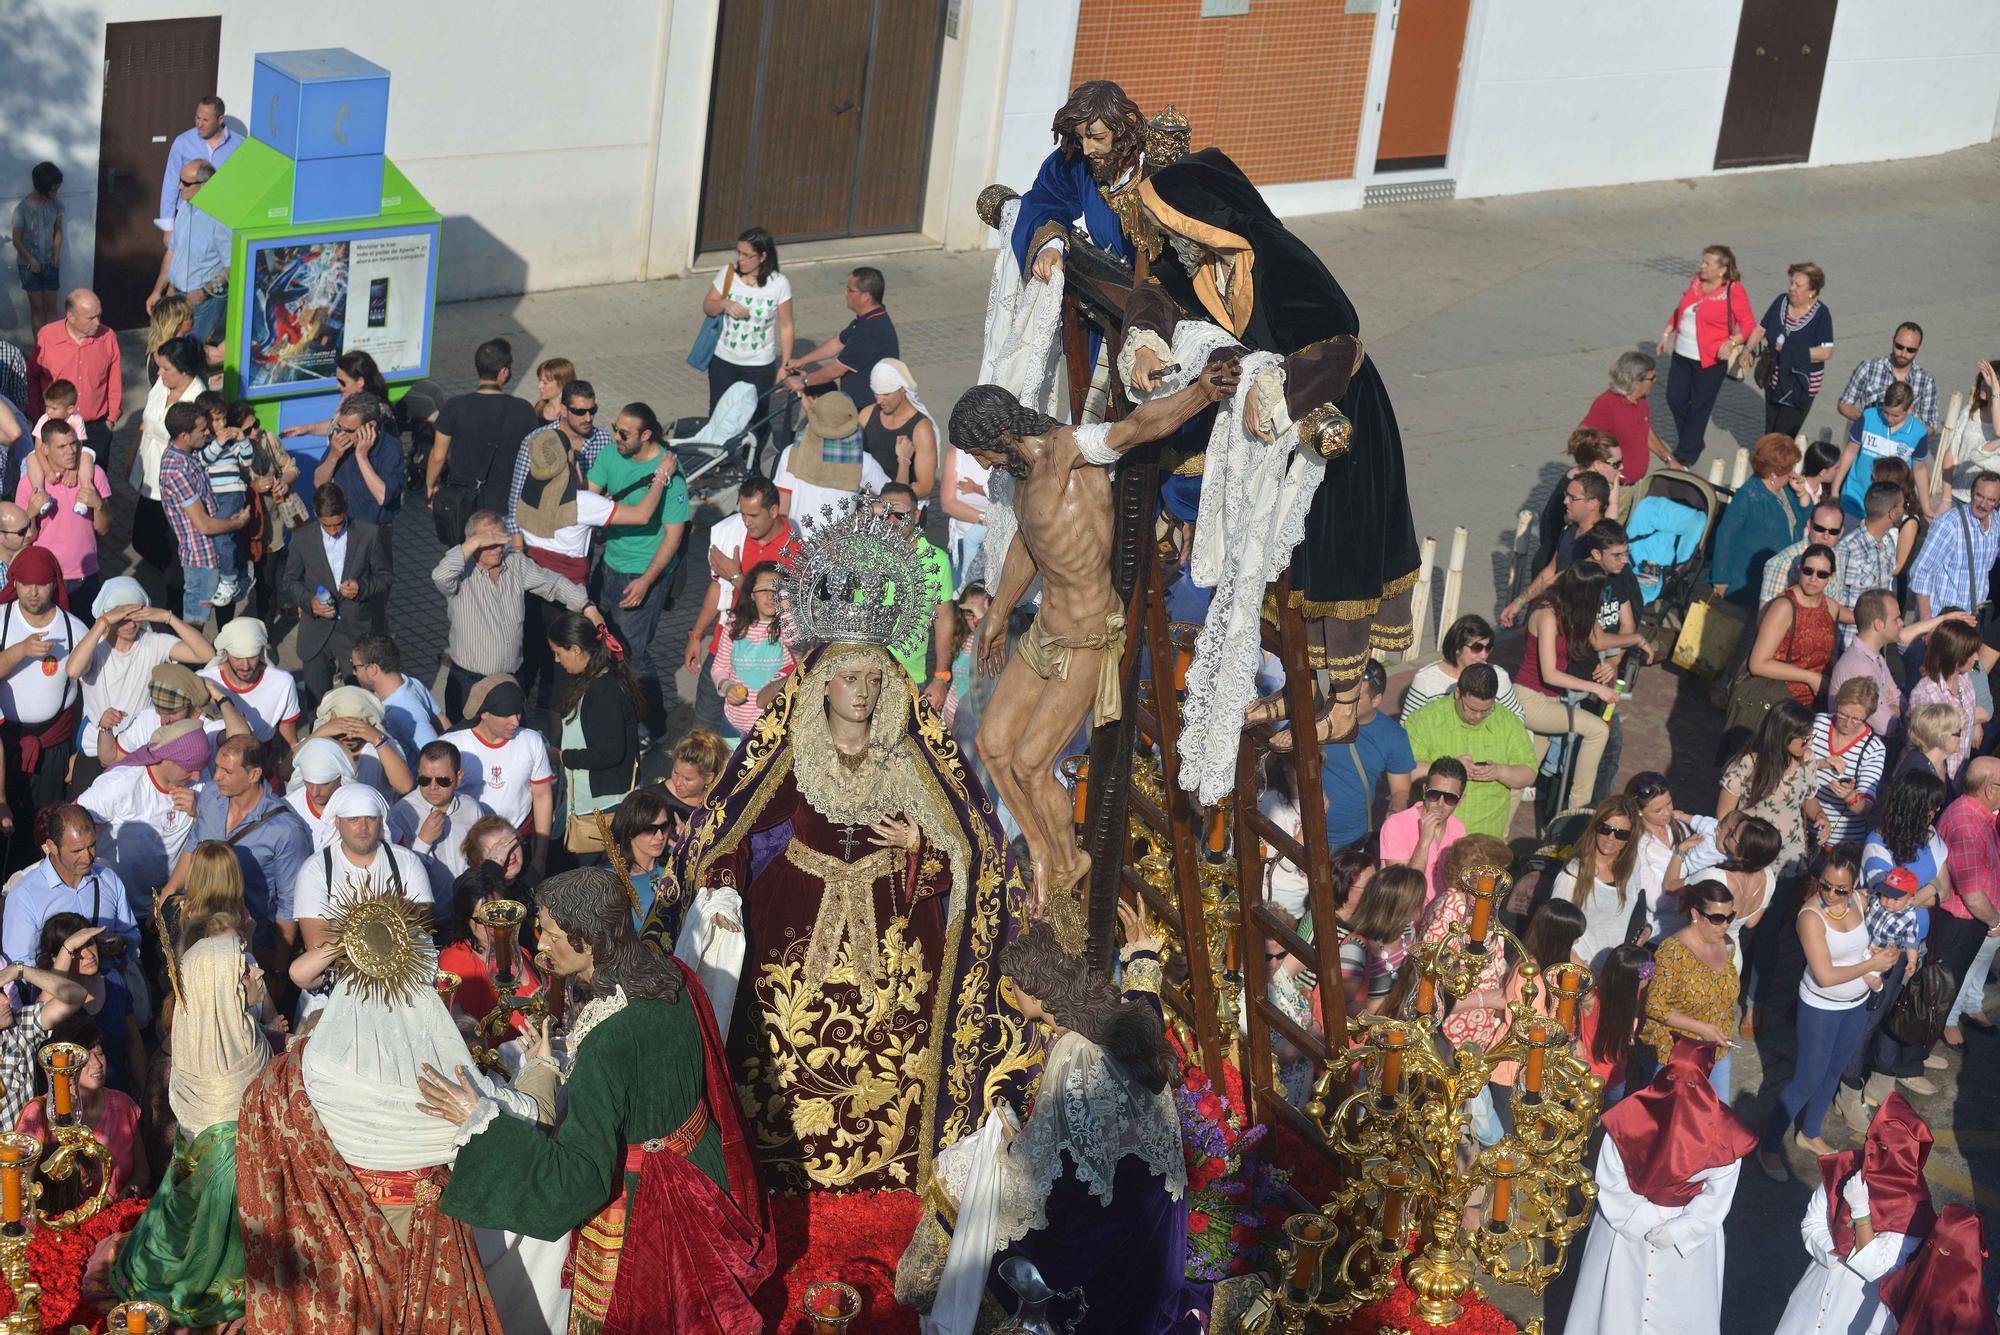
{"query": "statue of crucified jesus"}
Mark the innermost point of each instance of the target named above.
(1068, 664)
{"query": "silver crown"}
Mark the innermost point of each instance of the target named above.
(860, 581)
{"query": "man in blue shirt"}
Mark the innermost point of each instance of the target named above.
(852, 353)
(210, 140)
(409, 713)
(196, 264)
(365, 456)
(1350, 772)
(69, 879)
(269, 839)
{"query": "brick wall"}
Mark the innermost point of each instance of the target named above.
(1280, 89)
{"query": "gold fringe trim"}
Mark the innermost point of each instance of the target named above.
(1354, 609)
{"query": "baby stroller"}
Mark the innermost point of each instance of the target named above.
(1671, 523)
(706, 444)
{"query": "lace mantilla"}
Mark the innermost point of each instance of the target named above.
(591, 1014)
(1021, 353)
(1254, 499)
(887, 783)
(1092, 1113)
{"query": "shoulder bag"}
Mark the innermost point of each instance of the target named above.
(1737, 367)
(1920, 1012)
(1752, 697)
(710, 332)
(1766, 373)
(456, 502)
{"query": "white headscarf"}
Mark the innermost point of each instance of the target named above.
(243, 637)
(348, 702)
(891, 374)
(349, 800)
(360, 1071)
(119, 591)
(218, 1049)
(321, 760)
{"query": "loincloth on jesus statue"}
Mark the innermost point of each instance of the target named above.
(1048, 656)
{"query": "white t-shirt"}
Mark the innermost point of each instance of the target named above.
(503, 776)
(273, 700)
(970, 470)
(592, 511)
(312, 899)
(35, 693)
(809, 497)
(1604, 919)
(321, 826)
(726, 536)
(1685, 343)
(752, 342)
(144, 833)
(116, 680)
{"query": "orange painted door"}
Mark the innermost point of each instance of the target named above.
(1423, 84)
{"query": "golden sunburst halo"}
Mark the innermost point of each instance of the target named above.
(385, 945)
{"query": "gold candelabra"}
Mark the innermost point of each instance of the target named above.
(502, 919)
(73, 1139)
(18, 1151)
(1397, 1108)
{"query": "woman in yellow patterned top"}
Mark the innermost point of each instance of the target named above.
(1695, 985)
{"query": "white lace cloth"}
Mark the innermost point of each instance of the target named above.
(1254, 499)
(1021, 353)
(1093, 1115)
(970, 1173)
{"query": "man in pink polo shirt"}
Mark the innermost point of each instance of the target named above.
(1418, 835)
(79, 349)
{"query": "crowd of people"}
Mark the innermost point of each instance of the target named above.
(168, 784)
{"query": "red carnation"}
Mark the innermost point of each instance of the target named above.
(1243, 1236)
(1197, 1221)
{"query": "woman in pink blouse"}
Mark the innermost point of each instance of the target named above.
(1949, 659)
(1707, 331)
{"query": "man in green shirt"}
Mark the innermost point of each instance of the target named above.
(900, 499)
(639, 559)
(1491, 743)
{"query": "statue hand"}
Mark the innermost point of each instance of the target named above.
(1047, 262)
(991, 648)
(1147, 370)
(539, 1043)
(443, 1100)
(1253, 416)
(892, 832)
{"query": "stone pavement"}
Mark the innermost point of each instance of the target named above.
(1494, 322)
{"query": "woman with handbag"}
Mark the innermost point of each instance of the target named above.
(1706, 331)
(1907, 847)
(1562, 631)
(1599, 881)
(1796, 639)
(1832, 997)
(273, 471)
(599, 712)
(1792, 345)
(1774, 777)
(1950, 655)
(753, 302)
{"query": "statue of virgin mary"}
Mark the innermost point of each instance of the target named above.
(876, 887)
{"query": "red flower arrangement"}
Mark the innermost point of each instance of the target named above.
(1398, 1312)
(1236, 1199)
(57, 1261)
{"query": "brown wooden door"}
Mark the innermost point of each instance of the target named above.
(820, 121)
(1774, 82)
(154, 73)
(1423, 84)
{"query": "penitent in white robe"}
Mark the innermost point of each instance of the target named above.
(1837, 1295)
(1625, 1283)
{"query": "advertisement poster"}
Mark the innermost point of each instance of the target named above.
(313, 300)
(298, 304)
(386, 311)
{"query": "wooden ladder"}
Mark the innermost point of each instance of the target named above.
(1112, 802)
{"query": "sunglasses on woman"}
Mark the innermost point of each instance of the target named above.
(1719, 919)
(1622, 833)
(1827, 887)
(1814, 572)
(658, 827)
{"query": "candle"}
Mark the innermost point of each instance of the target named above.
(1218, 830)
(1392, 1064)
(1538, 1033)
(1482, 905)
(135, 1319)
(1503, 1192)
(10, 1184)
(1305, 1259)
(1183, 659)
(1392, 1205)
(1567, 980)
(1426, 994)
(59, 1082)
(1082, 772)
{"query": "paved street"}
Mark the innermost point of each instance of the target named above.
(1494, 322)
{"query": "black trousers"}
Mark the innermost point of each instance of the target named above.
(1785, 419)
(1691, 391)
(159, 550)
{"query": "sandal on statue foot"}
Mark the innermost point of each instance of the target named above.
(1324, 731)
(1270, 709)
